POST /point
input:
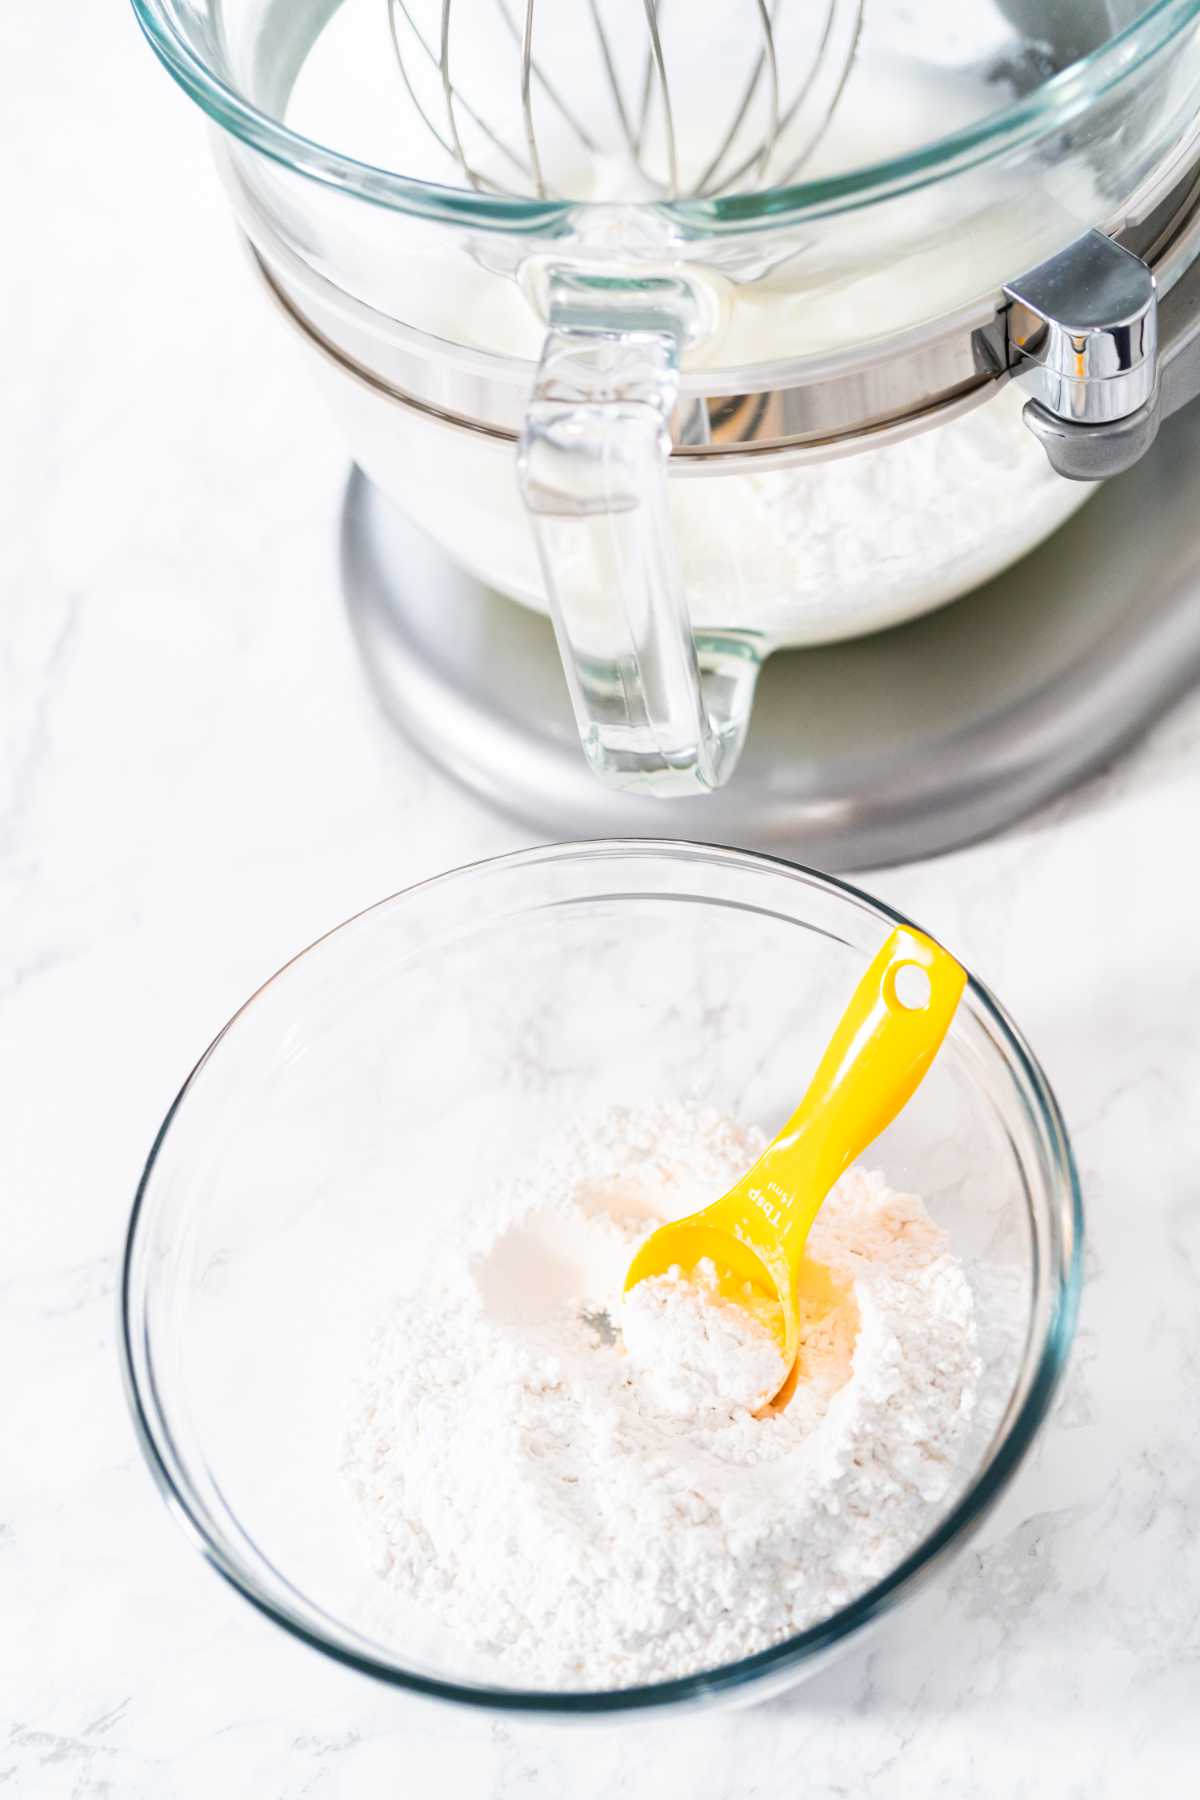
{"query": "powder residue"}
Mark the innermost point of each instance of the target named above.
(574, 1521)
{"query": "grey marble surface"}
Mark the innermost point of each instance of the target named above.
(192, 785)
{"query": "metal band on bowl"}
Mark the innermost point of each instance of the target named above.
(809, 408)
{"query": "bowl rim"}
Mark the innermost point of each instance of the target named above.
(1047, 109)
(816, 1640)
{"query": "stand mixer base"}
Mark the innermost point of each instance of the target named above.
(883, 750)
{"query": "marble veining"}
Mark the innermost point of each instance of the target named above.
(193, 784)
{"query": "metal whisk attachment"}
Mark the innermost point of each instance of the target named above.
(624, 99)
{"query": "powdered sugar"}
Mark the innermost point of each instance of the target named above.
(694, 1349)
(521, 1479)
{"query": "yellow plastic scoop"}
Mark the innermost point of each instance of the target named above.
(877, 1058)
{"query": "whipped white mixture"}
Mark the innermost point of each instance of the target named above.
(580, 1524)
(850, 279)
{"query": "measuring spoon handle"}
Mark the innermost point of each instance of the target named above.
(876, 1059)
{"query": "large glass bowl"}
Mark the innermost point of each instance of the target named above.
(972, 140)
(358, 1105)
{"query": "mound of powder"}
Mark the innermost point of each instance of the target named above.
(693, 1347)
(526, 1485)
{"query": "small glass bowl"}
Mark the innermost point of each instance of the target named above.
(359, 1103)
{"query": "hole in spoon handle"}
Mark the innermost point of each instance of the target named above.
(908, 986)
(879, 1053)
(917, 975)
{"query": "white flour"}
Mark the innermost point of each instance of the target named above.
(519, 1479)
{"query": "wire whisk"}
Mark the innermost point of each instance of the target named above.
(625, 99)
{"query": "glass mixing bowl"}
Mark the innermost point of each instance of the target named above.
(972, 137)
(538, 377)
(285, 1201)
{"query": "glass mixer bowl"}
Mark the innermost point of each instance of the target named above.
(283, 1206)
(698, 424)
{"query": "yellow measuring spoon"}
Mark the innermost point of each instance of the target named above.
(877, 1058)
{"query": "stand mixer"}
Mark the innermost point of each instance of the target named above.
(718, 331)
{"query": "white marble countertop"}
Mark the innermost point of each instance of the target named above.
(193, 783)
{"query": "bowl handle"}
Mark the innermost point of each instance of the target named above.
(658, 707)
